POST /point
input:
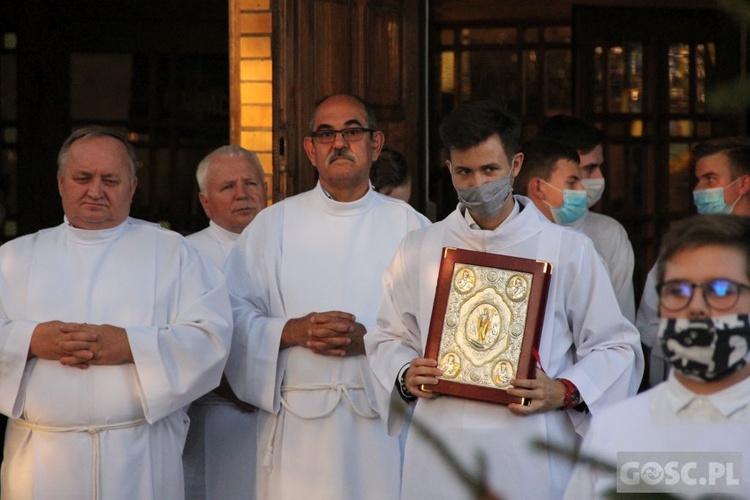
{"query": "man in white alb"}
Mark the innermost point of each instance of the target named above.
(219, 454)
(110, 326)
(305, 284)
(589, 353)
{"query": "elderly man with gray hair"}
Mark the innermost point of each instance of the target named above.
(219, 456)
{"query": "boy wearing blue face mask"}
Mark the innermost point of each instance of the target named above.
(609, 236)
(722, 170)
(722, 167)
(551, 178)
(704, 406)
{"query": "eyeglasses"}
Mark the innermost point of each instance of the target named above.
(352, 134)
(719, 294)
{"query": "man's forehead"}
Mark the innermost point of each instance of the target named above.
(337, 110)
(231, 168)
(716, 163)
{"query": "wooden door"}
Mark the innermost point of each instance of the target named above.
(643, 76)
(366, 47)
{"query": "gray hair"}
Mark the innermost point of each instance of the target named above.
(230, 151)
(97, 131)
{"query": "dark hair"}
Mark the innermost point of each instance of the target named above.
(389, 171)
(472, 123)
(97, 131)
(540, 157)
(704, 230)
(572, 131)
(737, 150)
(372, 122)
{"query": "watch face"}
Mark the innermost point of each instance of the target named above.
(575, 398)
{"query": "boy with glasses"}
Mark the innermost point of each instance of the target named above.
(704, 406)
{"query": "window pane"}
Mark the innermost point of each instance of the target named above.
(557, 34)
(447, 37)
(680, 188)
(635, 77)
(447, 72)
(700, 78)
(557, 81)
(532, 97)
(8, 82)
(681, 128)
(625, 78)
(599, 79)
(492, 74)
(493, 36)
(10, 41)
(679, 78)
(531, 35)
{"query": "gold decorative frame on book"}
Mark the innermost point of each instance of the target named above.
(486, 322)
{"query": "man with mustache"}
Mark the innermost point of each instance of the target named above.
(219, 454)
(305, 281)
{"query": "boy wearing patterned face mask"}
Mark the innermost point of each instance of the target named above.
(704, 406)
(722, 170)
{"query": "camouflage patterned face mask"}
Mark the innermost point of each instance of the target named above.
(706, 349)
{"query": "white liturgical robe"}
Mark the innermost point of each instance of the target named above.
(214, 242)
(219, 454)
(669, 418)
(585, 339)
(612, 243)
(113, 432)
(319, 436)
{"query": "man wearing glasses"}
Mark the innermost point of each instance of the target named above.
(722, 170)
(704, 406)
(305, 283)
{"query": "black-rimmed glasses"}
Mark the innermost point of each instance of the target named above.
(719, 294)
(352, 134)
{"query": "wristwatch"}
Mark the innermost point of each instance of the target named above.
(572, 396)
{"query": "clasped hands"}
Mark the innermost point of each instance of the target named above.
(80, 344)
(544, 392)
(331, 333)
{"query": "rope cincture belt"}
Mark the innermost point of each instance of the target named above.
(93, 431)
(341, 388)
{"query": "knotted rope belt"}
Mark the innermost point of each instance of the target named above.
(93, 431)
(342, 390)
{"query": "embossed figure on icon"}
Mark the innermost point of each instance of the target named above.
(465, 281)
(484, 327)
(451, 365)
(503, 374)
(516, 288)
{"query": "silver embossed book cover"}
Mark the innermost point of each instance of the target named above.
(486, 321)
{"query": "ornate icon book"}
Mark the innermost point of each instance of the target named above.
(486, 322)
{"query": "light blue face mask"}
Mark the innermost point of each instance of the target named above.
(711, 201)
(575, 204)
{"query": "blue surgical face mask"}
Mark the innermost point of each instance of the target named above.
(575, 204)
(711, 201)
(486, 200)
